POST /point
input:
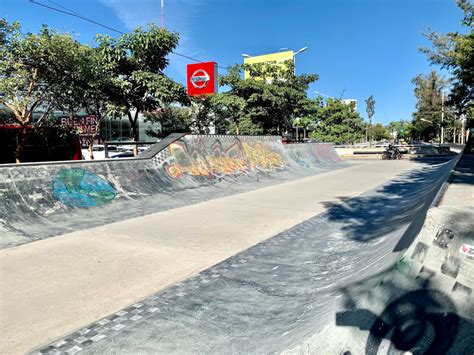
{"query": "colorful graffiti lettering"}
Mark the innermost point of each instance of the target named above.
(77, 187)
(215, 160)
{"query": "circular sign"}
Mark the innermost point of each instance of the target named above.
(200, 79)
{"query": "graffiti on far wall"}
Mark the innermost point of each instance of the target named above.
(77, 187)
(216, 160)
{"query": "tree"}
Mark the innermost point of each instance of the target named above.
(201, 113)
(370, 102)
(80, 82)
(455, 52)
(229, 111)
(338, 123)
(429, 94)
(401, 130)
(136, 62)
(380, 132)
(271, 103)
(28, 70)
(172, 119)
(6, 116)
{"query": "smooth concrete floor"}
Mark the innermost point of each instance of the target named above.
(54, 286)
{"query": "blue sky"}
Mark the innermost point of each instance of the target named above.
(357, 47)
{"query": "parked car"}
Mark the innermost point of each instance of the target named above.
(127, 154)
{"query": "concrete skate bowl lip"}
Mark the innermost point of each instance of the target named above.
(146, 155)
(322, 153)
(42, 193)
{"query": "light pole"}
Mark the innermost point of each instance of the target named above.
(442, 116)
(320, 93)
(162, 13)
(294, 60)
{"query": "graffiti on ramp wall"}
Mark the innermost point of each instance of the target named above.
(214, 160)
(77, 187)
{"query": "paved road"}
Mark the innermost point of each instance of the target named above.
(60, 284)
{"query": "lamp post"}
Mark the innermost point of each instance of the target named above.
(320, 93)
(442, 117)
(294, 60)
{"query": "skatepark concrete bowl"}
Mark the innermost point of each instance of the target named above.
(270, 297)
(43, 200)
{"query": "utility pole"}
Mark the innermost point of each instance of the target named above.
(162, 13)
(442, 117)
(370, 102)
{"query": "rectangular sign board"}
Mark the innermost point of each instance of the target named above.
(201, 78)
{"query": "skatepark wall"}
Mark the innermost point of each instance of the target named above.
(43, 200)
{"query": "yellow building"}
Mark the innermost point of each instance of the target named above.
(279, 59)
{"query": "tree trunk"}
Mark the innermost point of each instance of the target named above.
(133, 126)
(370, 132)
(22, 141)
(94, 135)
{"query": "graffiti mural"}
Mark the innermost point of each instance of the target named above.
(326, 153)
(215, 159)
(77, 187)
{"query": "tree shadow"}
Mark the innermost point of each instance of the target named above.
(418, 318)
(402, 202)
(464, 171)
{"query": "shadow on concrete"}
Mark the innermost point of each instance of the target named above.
(422, 321)
(403, 201)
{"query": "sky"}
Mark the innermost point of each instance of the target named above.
(357, 47)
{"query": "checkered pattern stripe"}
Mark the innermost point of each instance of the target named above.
(102, 329)
(160, 158)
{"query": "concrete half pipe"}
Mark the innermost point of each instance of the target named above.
(43, 200)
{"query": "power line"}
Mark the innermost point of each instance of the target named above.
(70, 12)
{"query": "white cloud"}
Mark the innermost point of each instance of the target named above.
(179, 15)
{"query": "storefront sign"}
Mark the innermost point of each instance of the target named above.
(202, 78)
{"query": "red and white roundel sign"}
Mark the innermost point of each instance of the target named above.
(202, 78)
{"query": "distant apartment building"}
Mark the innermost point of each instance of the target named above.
(350, 102)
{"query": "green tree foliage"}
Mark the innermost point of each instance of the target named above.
(271, 104)
(229, 111)
(30, 68)
(380, 132)
(246, 126)
(338, 123)
(172, 119)
(81, 82)
(202, 114)
(455, 52)
(427, 117)
(401, 130)
(136, 62)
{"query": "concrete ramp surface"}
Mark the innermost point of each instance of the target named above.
(274, 295)
(43, 200)
(260, 270)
